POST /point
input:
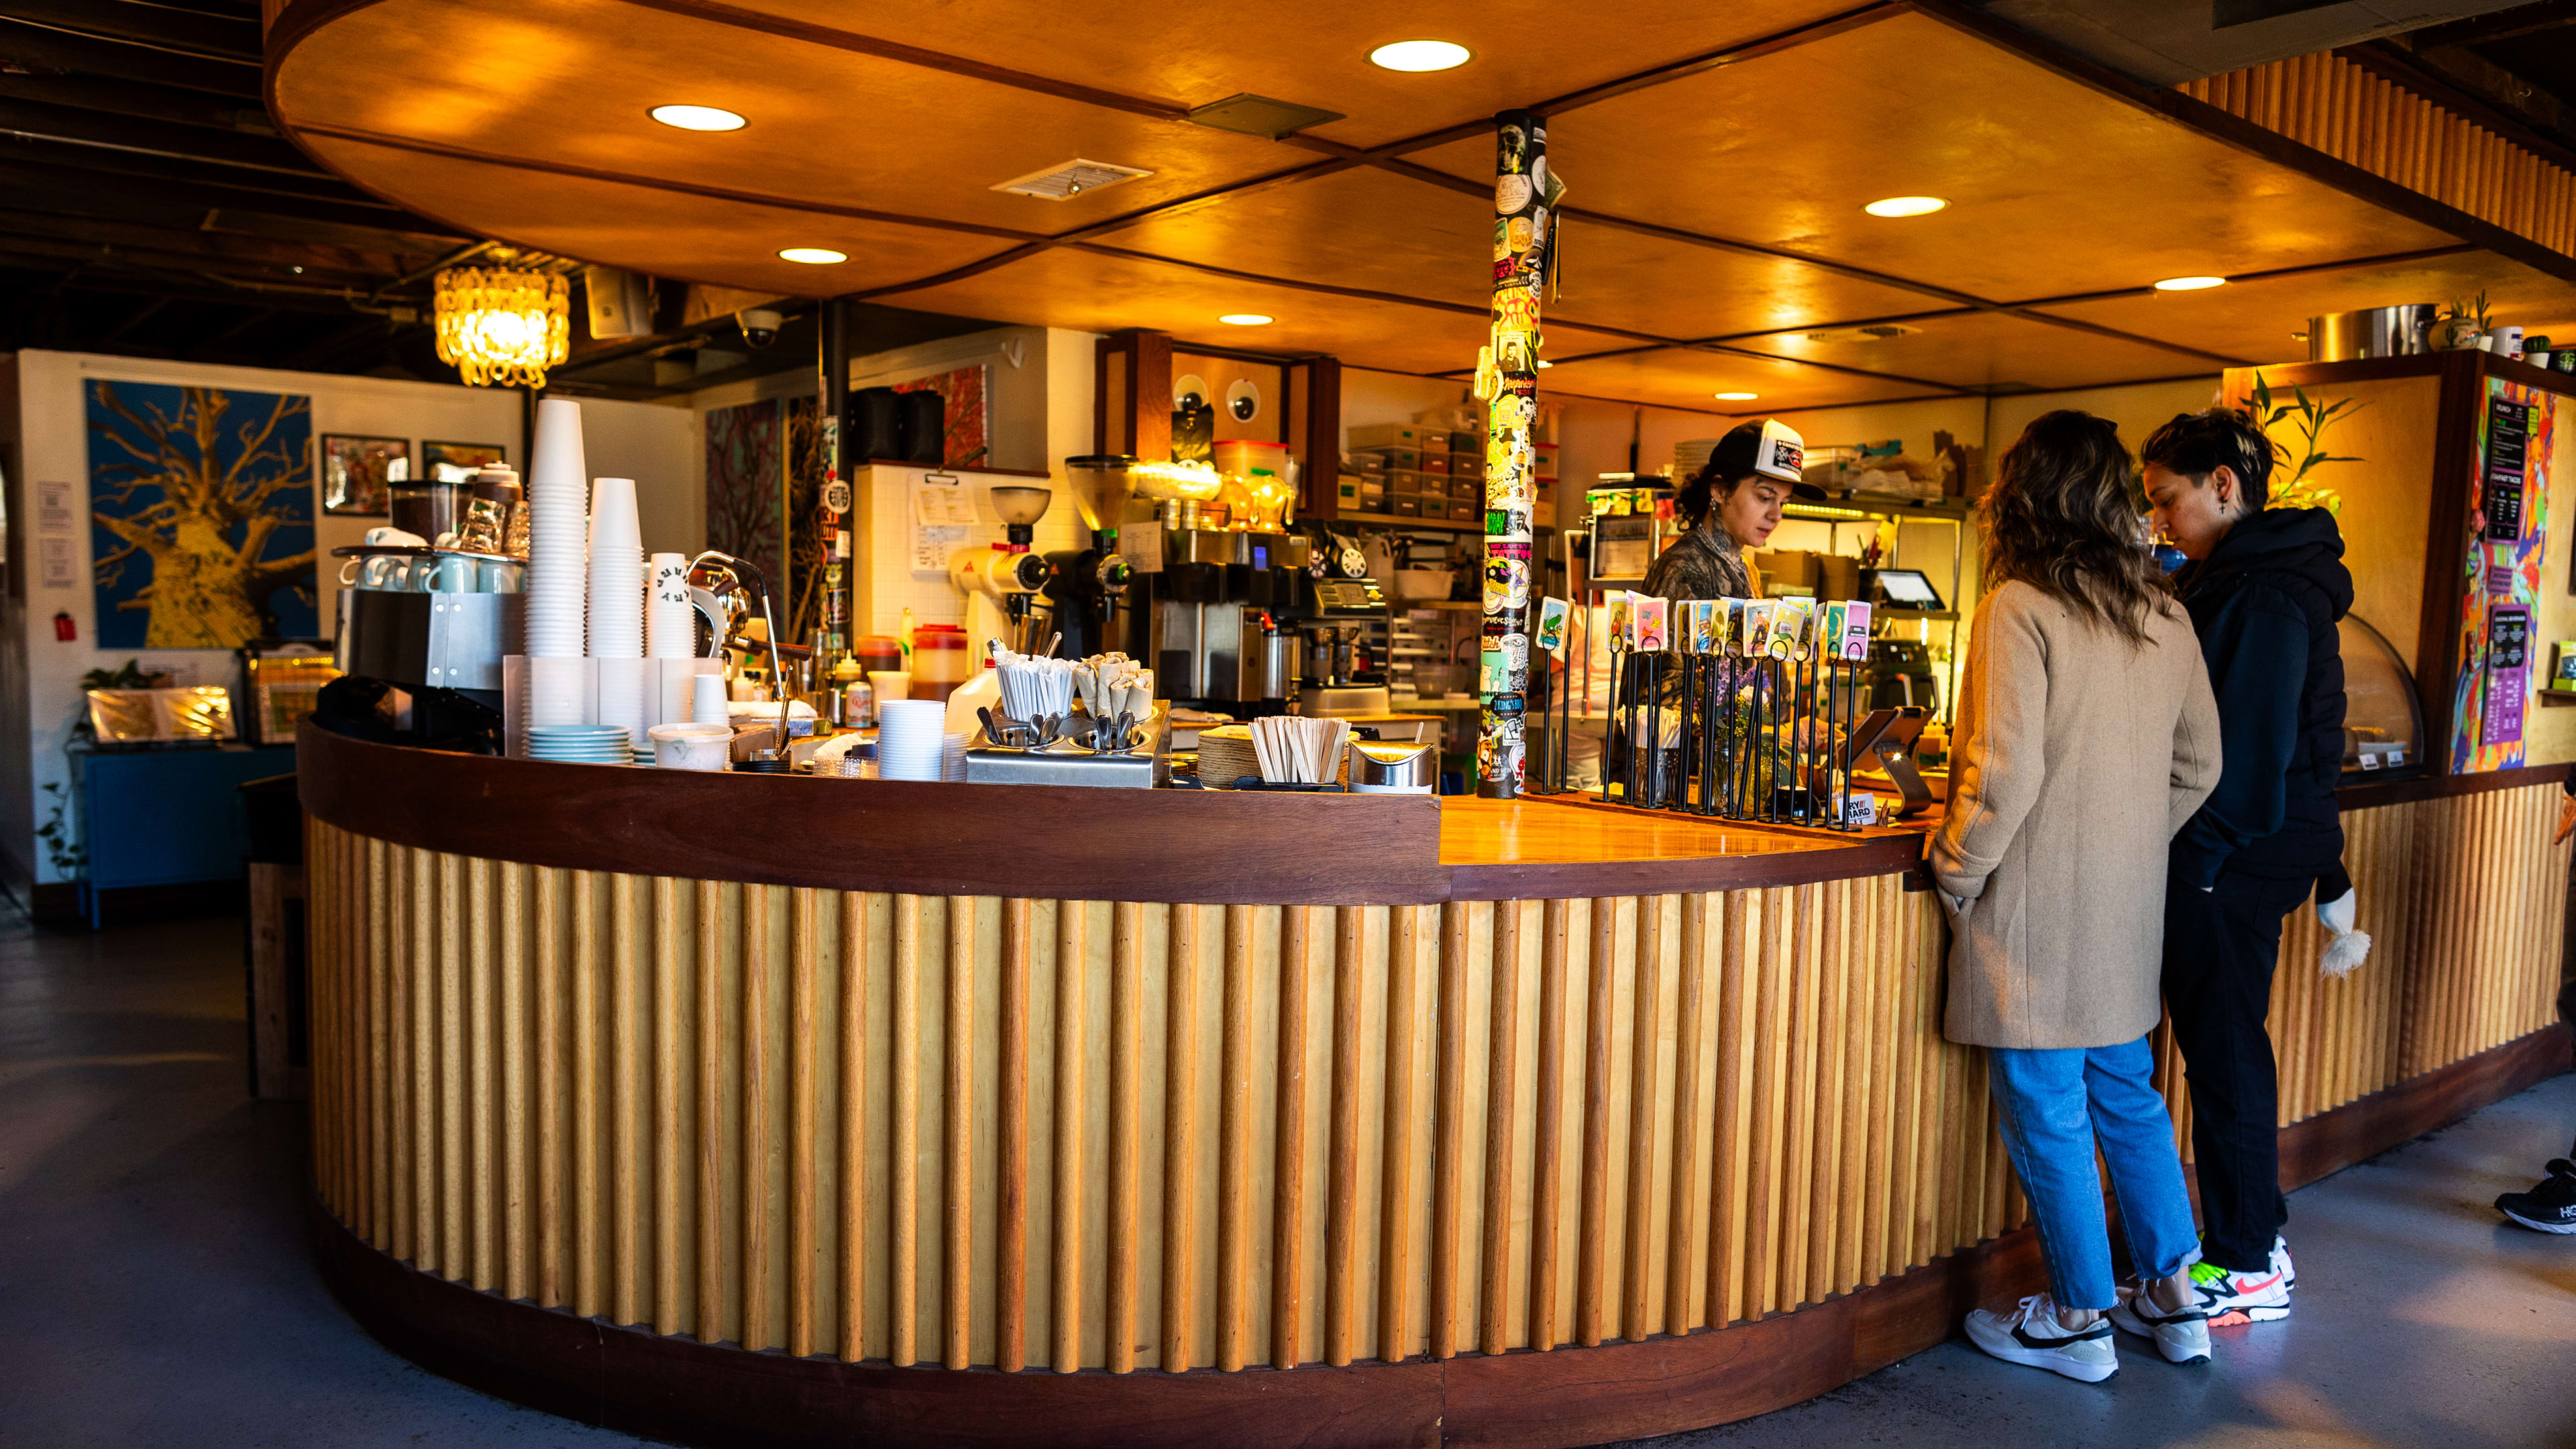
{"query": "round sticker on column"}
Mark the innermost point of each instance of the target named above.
(836, 497)
(1511, 193)
(1516, 652)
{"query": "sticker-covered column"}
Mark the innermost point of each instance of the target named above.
(1525, 196)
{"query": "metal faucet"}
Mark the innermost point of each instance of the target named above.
(728, 570)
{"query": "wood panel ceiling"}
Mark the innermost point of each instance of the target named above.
(1718, 159)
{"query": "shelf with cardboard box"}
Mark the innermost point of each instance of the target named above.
(1410, 474)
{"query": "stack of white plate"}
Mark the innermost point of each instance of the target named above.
(911, 742)
(580, 744)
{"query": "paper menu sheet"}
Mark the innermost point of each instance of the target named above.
(942, 514)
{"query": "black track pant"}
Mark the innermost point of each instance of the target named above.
(2220, 948)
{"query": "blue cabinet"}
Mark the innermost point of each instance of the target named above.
(166, 817)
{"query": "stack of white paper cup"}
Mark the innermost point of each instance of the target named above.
(911, 742)
(709, 702)
(617, 606)
(558, 490)
(670, 638)
(952, 756)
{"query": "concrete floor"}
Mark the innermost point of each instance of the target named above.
(155, 1289)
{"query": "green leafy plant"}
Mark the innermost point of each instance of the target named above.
(129, 675)
(2312, 417)
(2474, 310)
(68, 855)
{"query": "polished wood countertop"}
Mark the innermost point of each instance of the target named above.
(1032, 841)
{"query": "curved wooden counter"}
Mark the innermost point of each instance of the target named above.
(694, 1106)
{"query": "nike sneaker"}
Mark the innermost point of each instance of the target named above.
(2226, 1297)
(2181, 1336)
(2550, 1206)
(2034, 1334)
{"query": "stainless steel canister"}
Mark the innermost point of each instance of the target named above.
(1393, 767)
(2372, 332)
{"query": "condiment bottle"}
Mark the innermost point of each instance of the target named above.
(938, 660)
(876, 652)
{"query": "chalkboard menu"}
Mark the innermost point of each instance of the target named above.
(2508, 454)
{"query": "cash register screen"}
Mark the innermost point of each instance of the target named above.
(1907, 589)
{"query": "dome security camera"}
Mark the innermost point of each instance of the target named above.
(759, 325)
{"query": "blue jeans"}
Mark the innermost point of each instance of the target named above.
(2055, 1104)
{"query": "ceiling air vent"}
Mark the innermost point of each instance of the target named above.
(1875, 332)
(1073, 178)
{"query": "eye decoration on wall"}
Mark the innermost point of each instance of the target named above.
(1243, 400)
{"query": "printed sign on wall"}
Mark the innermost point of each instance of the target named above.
(2500, 577)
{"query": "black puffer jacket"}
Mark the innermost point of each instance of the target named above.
(2265, 603)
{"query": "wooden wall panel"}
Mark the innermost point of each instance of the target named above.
(974, 1131)
(2326, 102)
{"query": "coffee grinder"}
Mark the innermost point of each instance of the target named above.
(1001, 580)
(1086, 586)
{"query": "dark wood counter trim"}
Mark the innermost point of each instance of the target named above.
(1208, 847)
(2331, 1141)
(2438, 787)
(1204, 847)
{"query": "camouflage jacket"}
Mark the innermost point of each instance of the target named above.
(1702, 564)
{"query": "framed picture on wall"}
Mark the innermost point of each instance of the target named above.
(357, 472)
(458, 462)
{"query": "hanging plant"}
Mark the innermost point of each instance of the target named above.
(2312, 418)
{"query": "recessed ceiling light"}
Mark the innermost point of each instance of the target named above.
(1420, 55)
(813, 256)
(2190, 284)
(1245, 319)
(697, 118)
(1906, 206)
(1737, 396)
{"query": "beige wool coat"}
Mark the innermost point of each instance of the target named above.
(2078, 757)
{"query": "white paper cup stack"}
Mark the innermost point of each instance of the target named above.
(952, 756)
(558, 568)
(616, 635)
(911, 742)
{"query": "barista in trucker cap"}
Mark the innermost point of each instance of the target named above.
(1731, 504)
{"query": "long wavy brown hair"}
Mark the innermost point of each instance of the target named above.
(2060, 519)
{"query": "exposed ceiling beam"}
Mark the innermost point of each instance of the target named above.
(247, 274)
(43, 48)
(76, 274)
(319, 264)
(141, 100)
(151, 308)
(157, 27)
(154, 138)
(106, 199)
(28, 167)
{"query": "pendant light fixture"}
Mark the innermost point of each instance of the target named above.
(501, 326)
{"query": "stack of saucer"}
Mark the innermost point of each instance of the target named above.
(910, 742)
(581, 744)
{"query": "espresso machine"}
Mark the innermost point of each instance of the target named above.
(1337, 674)
(1215, 617)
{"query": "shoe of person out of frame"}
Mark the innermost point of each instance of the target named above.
(2035, 1334)
(2550, 1206)
(2181, 1336)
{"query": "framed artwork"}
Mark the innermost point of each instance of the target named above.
(458, 462)
(356, 472)
(201, 516)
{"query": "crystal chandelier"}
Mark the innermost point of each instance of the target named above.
(501, 325)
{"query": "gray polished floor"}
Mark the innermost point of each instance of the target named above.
(154, 1287)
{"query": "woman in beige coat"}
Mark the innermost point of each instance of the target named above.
(2087, 736)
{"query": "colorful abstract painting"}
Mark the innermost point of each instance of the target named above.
(2508, 525)
(969, 443)
(746, 487)
(803, 586)
(201, 513)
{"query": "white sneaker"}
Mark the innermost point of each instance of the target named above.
(2036, 1335)
(2181, 1337)
(2281, 1263)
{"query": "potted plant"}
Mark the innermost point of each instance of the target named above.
(2462, 326)
(2313, 417)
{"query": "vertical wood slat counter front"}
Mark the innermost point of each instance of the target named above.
(695, 1105)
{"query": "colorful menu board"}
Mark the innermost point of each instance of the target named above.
(2500, 577)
